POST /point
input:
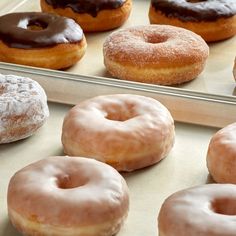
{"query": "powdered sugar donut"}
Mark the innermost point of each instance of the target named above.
(64, 196)
(23, 107)
(126, 131)
(158, 54)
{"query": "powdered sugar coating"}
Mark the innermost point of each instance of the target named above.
(23, 107)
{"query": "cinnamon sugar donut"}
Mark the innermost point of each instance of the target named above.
(99, 15)
(221, 155)
(158, 54)
(41, 40)
(214, 20)
(67, 196)
(207, 210)
(23, 107)
(126, 131)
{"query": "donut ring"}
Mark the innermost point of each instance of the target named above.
(214, 20)
(40, 40)
(221, 155)
(23, 108)
(158, 54)
(125, 131)
(67, 196)
(209, 210)
(92, 16)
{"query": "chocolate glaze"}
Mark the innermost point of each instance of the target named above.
(91, 7)
(196, 11)
(54, 30)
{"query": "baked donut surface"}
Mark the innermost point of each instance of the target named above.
(99, 15)
(221, 155)
(214, 20)
(67, 196)
(157, 54)
(41, 40)
(125, 131)
(23, 107)
(207, 210)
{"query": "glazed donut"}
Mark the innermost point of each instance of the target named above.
(67, 196)
(99, 15)
(158, 54)
(221, 155)
(23, 107)
(125, 131)
(214, 20)
(40, 40)
(207, 210)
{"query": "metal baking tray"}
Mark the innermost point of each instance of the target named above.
(207, 100)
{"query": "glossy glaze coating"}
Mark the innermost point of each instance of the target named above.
(221, 155)
(124, 130)
(207, 210)
(67, 196)
(193, 10)
(19, 30)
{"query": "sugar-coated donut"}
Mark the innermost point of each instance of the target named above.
(40, 40)
(214, 20)
(63, 196)
(207, 210)
(99, 15)
(126, 131)
(158, 54)
(23, 107)
(221, 155)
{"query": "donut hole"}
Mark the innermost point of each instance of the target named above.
(36, 25)
(70, 181)
(118, 117)
(154, 39)
(121, 113)
(224, 206)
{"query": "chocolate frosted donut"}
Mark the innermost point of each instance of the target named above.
(15, 30)
(41, 40)
(96, 15)
(213, 20)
